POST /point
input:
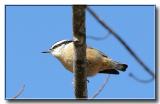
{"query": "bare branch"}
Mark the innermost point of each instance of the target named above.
(101, 87)
(19, 92)
(135, 56)
(79, 63)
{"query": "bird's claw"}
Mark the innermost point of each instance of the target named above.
(87, 80)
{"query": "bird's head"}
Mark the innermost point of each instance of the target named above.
(57, 47)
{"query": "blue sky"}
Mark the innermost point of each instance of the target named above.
(33, 29)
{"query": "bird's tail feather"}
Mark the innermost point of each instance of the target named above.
(121, 67)
(110, 64)
(109, 71)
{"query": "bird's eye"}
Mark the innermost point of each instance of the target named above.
(54, 47)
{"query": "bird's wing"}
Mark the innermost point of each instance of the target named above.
(109, 71)
(99, 52)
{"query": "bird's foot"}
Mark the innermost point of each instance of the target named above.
(87, 80)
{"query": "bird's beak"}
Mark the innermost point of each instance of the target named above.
(45, 52)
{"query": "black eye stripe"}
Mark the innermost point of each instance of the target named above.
(65, 42)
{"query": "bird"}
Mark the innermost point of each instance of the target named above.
(97, 61)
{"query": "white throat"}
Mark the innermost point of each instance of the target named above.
(57, 52)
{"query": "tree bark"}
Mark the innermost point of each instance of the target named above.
(79, 57)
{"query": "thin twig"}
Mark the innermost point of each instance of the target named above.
(101, 87)
(98, 38)
(140, 80)
(135, 56)
(19, 92)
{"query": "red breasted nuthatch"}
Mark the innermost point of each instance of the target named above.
(97, 62)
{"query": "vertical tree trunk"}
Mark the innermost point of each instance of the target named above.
(79, 64)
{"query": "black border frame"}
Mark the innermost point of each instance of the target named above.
(95, 100)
